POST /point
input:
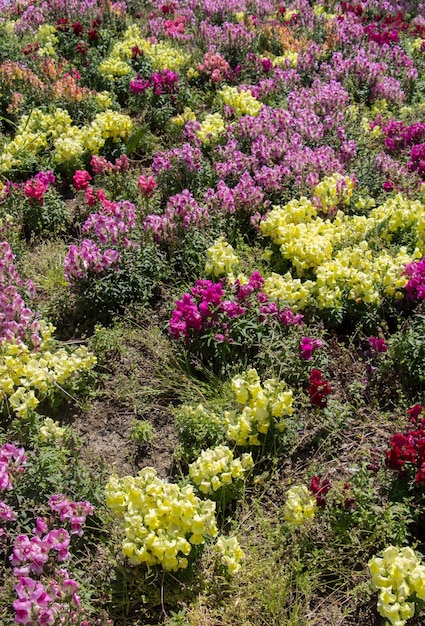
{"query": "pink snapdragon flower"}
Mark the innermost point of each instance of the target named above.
(146, 185)
(81, 179)
(308, 346)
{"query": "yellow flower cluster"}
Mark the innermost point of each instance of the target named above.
(242, 102)
(337, 252)
(211, 128)
(182, 119)
(305, 239)
(379, 107)
(261, 407)
(104, 100)
(161, 55)
(161, 520)
(289, 291)
(26, 375)
(221, 258)
(300, 506)
(398, 575)
(38, 130)
(290, 59)
(357, 274)
(112, 125)
(320, 10)
(230, 552)
(400, 216)
(51, 430)
(216, 468)
(334, 191)
(47, 39)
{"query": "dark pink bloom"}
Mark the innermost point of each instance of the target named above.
(377, 344)
(81, 179)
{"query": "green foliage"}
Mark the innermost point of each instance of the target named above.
(50, 217)
(142, 431)
(177, 618)
(198, 428)
(404, 362)
(137, 280)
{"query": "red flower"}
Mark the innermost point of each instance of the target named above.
(414, 412)
(318, 389)
(420, 476)
(135, 52)
(320, 488)
(62, 24)
(82, 47)
(77, 28)
(93, 34)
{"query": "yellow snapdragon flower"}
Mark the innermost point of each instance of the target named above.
(182, 119)
(215, 468)
(242, 102)
(289, 58)
(51, 430)
(261, 406)
(161, 520)
(211, 128)
(300, 506)
(26, 375)
(397, 575)
(221, 258)
(230, 552)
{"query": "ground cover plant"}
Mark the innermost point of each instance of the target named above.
(212, 285)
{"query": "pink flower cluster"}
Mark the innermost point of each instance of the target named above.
(214, 66)
(399, 136)
(74, 512)
(17, 322)
(46, 593)
(29, 555)
(186, 158)
(147, 185)
(81, 179)
(214, 307)
(162, 82)
(417, 160)
(377, 344)
(181, 214)
(88, 258)
(114, 222)
(36, 187)
(110, 225)
(246, 196)
(174, 28)
(415, 286)
(52, 601)
(12, 465)
(101, 166)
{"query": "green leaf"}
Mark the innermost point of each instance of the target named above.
(134, 140)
